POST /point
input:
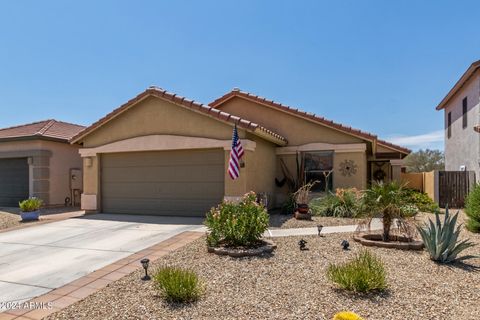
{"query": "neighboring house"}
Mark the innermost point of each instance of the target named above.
(461, 110)
(167, 155)
(36, 159)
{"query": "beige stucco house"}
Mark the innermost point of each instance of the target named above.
(163, 154)
(36, 159)
(461, 106)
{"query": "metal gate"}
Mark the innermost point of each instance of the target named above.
(453, 188)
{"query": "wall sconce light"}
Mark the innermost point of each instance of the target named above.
(88, 162)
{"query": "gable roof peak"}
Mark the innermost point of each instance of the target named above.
(186, 103)
(308, 115)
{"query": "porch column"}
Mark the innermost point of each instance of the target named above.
(396, 169)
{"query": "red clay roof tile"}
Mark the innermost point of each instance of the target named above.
(51, 129)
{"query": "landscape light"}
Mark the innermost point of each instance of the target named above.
(345, 244)
(319, 227)
(145, 262)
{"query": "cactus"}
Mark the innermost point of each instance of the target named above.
(441, 241)
(346, 315)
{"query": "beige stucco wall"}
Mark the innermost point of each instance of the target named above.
(49, 173)
(413, 180)
(64, 157)
(261, 169)
(19, 145)
(298, 131)
(157, 116)
(357, 180)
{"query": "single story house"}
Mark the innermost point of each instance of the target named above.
(37, 160)
(163, 154)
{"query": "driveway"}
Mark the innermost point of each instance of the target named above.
(40, 258)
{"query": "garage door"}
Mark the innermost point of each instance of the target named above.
(183, 183)
(13, 181)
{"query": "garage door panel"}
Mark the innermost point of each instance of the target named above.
(162, 174)
(13, 181)
(184, 183)
(144, 190)
(160, 207)
(151, 159)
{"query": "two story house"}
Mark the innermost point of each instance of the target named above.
(461, 108)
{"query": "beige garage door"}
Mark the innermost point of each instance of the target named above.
(183, 183)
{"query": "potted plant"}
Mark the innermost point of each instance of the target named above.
(30, 209)
(301, 199)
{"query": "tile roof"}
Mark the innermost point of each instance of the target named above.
(459, 84)
(390, 145)
(47, 129)
(329, 123)
(190, 104)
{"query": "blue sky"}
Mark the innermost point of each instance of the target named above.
(381, 66)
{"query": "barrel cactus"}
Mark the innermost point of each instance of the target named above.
(441, 240)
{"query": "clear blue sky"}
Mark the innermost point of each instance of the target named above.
(381, 66)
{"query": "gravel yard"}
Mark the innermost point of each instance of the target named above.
(8, 219)
(287, 221)
(291, 284)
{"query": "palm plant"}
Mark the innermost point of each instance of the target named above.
(385, 199)
(441, 240)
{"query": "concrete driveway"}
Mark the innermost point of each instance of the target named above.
(41, 258)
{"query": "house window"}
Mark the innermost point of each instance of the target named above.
(449, 125)
(318, 166)
(464, 112)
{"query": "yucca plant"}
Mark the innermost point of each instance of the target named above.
(441, 240)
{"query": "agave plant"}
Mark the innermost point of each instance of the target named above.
(441, 241)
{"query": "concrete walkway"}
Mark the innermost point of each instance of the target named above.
(38, 259)
(376, 225)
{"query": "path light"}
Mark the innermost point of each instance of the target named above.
(302, 243)
(145, 263)
(319, 227)
(345, 244)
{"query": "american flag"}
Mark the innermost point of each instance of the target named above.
(235, 155)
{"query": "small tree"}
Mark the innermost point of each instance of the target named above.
(425, 160)
(385, 199)
(472, 209)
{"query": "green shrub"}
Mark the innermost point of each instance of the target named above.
(289, 205)
(441, 240)
(345, 203)
(362, 274)
(178, 285)
(31, 204)
(421, 200)
(237, 224)
(409, 210)
(472, 209)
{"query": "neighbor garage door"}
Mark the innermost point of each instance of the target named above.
(183, 183)
(13, 181)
